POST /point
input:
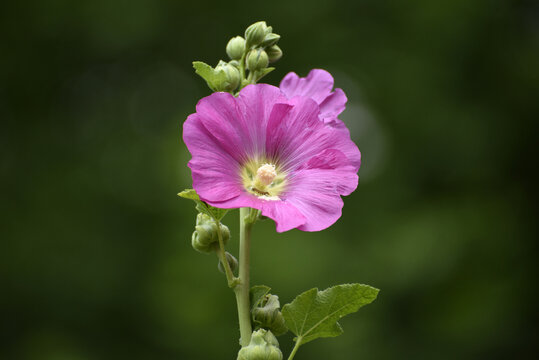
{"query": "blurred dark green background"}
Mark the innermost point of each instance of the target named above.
(95, 255)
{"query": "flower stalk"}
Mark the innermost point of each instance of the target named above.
(242, 288)
(272, 152)
(221, 253)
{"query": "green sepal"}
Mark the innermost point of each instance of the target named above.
(190, 194)
(267, 315)
(314, 314)
(244, 83)
(213, 78)
(257, 293)
(201, 206)
(261, 73)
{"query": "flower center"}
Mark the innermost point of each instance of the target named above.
(263, 179)
(265, 174)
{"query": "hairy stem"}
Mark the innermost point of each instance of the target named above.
(242, 70)
(242, 289)
(295, 349)
(221, 253)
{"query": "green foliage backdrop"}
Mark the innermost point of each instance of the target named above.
(95, 255)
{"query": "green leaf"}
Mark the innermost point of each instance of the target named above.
(314, 313)
(190, 194)
(213, 78)
(217, 213)
(260, 74)
(201, 206)
(257, 293)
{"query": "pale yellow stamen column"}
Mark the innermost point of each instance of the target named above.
(265, 174)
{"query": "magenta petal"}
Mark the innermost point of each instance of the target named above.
(292, 130)
(327, 159)
(317, 85)
(285, 215)
(298, 135)
(214, 169)
(332, 106)
(238, 124)
(344, 177)
(315, 193)
(254, 105)
(218, 114)
(340, 140)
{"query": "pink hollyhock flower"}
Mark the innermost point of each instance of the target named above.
(273, 153)
(317, 85)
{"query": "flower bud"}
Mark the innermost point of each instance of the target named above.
(268, 315)
(270, 39)
(263, 346)
(274, 53)
(235, 48)
(205, 238)
(232, 74)
(232, 262)
(255, 34)
(257, 60)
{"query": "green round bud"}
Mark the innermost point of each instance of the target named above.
(257, 60)
(270, 39)
(263, 346)
(200, 243)
(235, 48)
(232, 262)
(268, 315)
(255, 34)
(274, 53)
(205, 238)
(232, 74)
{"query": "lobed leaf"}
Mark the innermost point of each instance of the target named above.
(314, 314)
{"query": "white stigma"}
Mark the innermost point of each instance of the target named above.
(266, 173)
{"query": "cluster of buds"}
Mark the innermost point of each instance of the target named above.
(254, 53)
(205, 238)
(268, 315)
(263, 346)
(258, 49)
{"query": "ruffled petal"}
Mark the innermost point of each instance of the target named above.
(317, 85)
(285, 215)
(332, 106)
(254, 105)
(296, 135)
(345, 177)
(315, 193)
(214, 169)
(340, 140)
(292, 129)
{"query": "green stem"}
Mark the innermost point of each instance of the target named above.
(295, 349)
(221, 253)
(251, 77)
(242, 70)
(242, 289)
